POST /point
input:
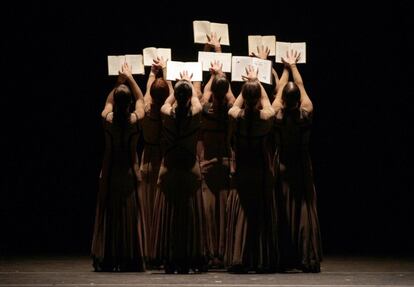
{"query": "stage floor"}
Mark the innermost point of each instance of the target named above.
(77, 271)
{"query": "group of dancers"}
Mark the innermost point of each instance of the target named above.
(221, 182)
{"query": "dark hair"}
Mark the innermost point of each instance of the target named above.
(159, 91)
(182, 93)
(122, 104)
(291, 95)
(251, 92)
(220, 87)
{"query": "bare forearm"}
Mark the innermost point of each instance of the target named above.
(230, 97)
(164, 75)
(108, 104)
(239, 101)
(207, 47)
(305, 101)
(277, 103)
(284, 78)
(264, 98)
(297, 78)
(136, 90)
(197, 89)
(195, 102)
(207, 90)
(267, 110)
(108, 109)
(139, 108)
(234, 111)
(151, 79)
(275, 77)
(166, 108)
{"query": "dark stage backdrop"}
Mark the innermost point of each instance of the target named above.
(358, 74)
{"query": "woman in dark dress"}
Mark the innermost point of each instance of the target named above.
(117, 237)
(158, 89)
(251, 208)
(215, 160)
(299, 241)
(179, 240)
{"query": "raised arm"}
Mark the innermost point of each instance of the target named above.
(197, 88)
(278, 103)
(267, 111)
(289, 60)
(276, 79)
(136, 91)
(263, 53)
(160, 63)
(236, 109)
(305, 101)
(230, 97)
(151, 78)
(207, 90)
(195, 101)
(109, 104)
(158, 66)
(166, 108)
(215, 69)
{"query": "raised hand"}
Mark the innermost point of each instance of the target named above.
(292, 57)
(216, 67)
(158, 64)
(125, 72)
(184, 76)
(251, 74)
(262, 52)
(213, 40)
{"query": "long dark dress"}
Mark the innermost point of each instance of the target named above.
(179, 240)
(300, 241)
(149, 170)
(251, 208)
(215, 158)
(117, 237)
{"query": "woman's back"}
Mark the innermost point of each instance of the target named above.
(180, 141)
(214, 132)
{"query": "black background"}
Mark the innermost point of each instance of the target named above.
(358, 75)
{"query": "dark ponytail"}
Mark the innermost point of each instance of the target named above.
(182, 93)
(122, 104)
(251, 92)
(219, 88)
(291, 95)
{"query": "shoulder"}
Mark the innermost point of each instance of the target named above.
(147, 107)
(207, 108)
(305, 114)
(108, 118)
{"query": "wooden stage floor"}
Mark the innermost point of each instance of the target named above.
(76, 270)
